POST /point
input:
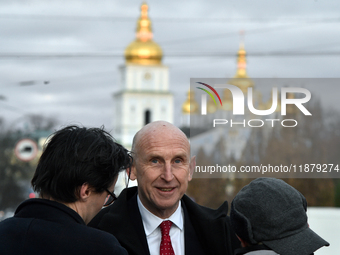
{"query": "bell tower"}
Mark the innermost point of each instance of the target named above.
(144, 94)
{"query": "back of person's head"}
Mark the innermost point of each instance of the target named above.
(77, 155)
(271, 212)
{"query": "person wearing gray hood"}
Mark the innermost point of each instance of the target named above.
(269, 217)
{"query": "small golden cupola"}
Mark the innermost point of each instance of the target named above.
(190, 105)
(143, 50)
(241, 78)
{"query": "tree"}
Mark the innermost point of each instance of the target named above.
(15, 175)
(11, 193)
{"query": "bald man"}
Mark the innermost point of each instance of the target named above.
(143, 216)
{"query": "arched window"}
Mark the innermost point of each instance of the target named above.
(147, 117)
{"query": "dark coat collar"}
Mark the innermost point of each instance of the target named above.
(47, 210)
(123, 220)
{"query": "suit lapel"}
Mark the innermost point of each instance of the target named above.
(136, 220)
(192, 244)
(125, 223)
(209, 227)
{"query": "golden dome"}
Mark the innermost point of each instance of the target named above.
(143, 50)
(241, 78)
(190, 105)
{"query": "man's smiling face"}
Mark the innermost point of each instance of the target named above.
(162, 167)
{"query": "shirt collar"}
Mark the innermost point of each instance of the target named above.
(151, 221)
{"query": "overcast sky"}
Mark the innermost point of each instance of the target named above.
(76, 47)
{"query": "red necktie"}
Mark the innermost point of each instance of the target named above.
(166, 247)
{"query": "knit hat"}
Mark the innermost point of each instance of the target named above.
(271, 212)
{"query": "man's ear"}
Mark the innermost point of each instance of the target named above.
(132, 172)
(192, 166)
(84, 191)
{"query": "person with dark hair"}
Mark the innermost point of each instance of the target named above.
(75, 178)
(269, 217)
(157, 217)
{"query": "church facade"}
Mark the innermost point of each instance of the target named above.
(144, 94)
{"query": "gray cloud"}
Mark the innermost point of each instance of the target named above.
(80, 88)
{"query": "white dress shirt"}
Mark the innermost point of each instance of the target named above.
(153, 232)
